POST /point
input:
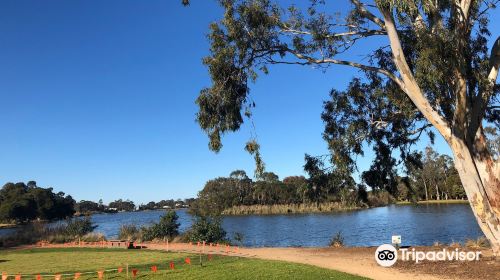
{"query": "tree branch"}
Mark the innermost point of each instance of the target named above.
(369, 15)
(489, 5)
(420, 130)
(311, 60)
(482, 99)
(365, 33)
(409, 84)
(465, 7)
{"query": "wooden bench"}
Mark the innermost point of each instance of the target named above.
(120, 244)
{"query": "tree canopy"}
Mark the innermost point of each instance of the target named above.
(122, 205)
(375, 108)
(22, 202)
(435, 179)
(433, 73)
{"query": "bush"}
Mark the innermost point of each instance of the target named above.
(93, 237)
(71, 230)
(79, 227)
(437, 244)
(130, 233)
(479, 243)
(208, 229)
(337, 240)
(238, 237)
(166, 228)
(28, 234)
(380, 198)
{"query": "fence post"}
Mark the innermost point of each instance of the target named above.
(127, 270)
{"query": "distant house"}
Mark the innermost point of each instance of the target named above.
(166, 207)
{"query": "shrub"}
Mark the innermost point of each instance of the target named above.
(129, 233)
(166, 228)
(78, 227)
(238, 237)
(337, 240)
(481, 242)
(28, 234)
(380, 198)
(208, 229)
(437, 244)
(93, 237)
(71, 230)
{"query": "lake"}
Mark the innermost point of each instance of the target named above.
(418, 225)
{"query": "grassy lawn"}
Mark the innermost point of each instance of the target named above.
(52, 261)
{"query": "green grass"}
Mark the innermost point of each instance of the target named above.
(52, 261)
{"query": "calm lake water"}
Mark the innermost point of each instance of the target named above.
(418, 225)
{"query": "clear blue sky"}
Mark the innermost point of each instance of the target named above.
(98, 100)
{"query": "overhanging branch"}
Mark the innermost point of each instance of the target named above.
(360, 33)
(311, 60)
(369, 15)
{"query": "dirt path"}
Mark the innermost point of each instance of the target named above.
(358, 261)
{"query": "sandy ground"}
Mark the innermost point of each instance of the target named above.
(359, 261)
(353, 260)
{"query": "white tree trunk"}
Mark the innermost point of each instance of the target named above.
(426, 193)
(480, 176)
(481, 183)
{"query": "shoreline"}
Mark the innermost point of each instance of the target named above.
(323, 208)
(280, 209)
(4, 226)
(449, 201)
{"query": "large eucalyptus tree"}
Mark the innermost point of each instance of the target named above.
(432, 72)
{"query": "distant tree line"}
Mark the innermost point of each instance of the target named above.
(435, 179)
(167, 204)
(238, 189)
(20, 202)
(432, 176)
(122, 205)
(88, 207)
(25, 202)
